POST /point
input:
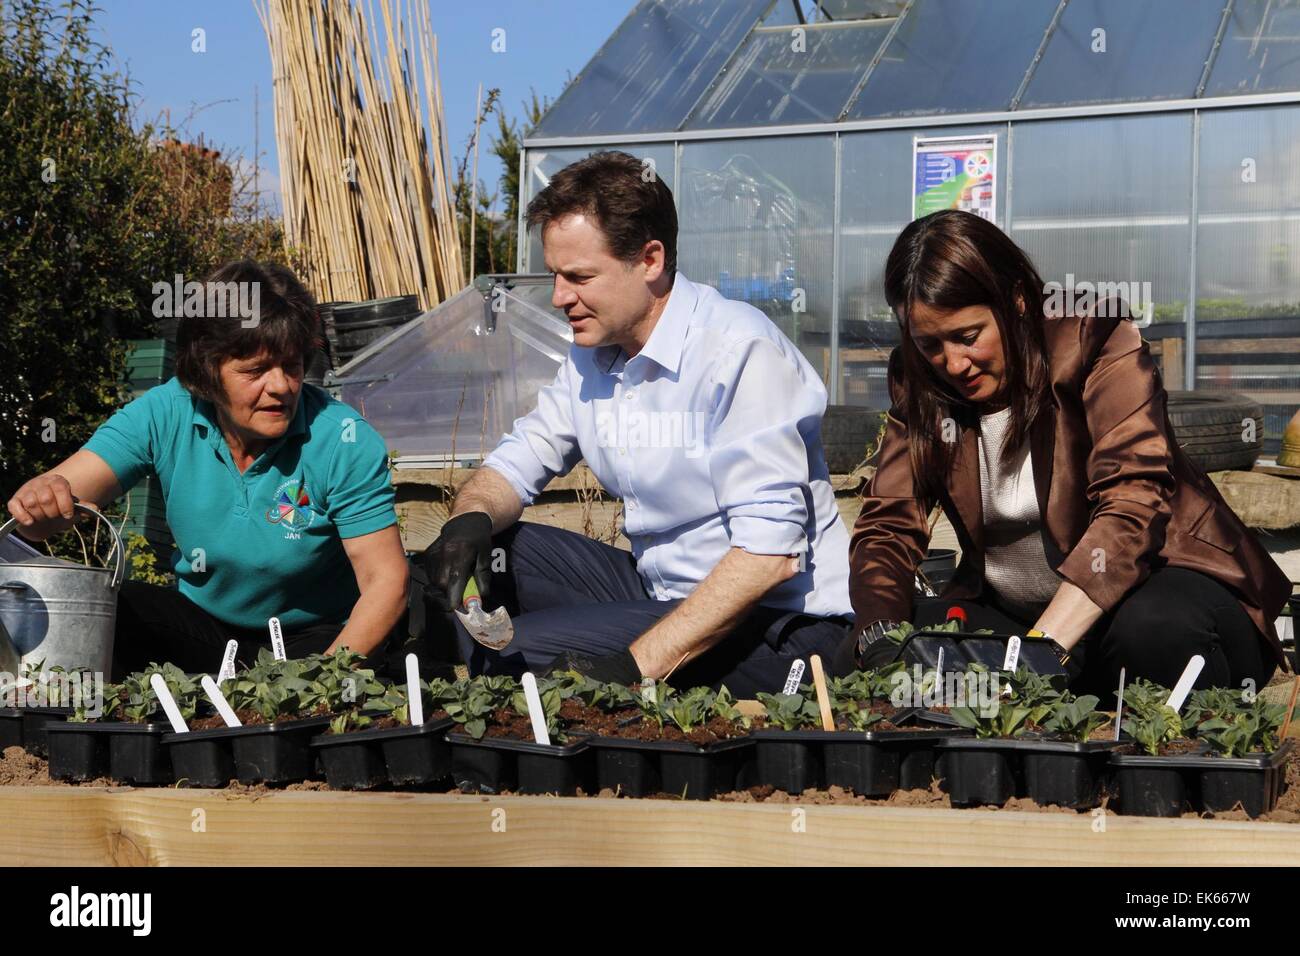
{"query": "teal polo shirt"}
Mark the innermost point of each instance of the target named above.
(268, 542)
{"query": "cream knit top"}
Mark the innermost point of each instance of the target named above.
(1015, 564)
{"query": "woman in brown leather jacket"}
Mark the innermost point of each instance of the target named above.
(1044, 438)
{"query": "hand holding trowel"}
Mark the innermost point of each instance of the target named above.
(460, 561)
(491, 630)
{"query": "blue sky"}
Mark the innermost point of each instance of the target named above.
(151, 40)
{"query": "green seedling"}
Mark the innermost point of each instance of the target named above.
(1154, 727)
(791, 711)
(1075, 718)
(1252, 730)
(1007, 719)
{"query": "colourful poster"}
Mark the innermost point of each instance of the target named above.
(955, 172)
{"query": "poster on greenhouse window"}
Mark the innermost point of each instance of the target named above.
(955, 172)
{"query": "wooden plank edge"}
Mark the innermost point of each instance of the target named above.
(131, 827)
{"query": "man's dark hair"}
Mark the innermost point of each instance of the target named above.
(626, 198)
(286, 328)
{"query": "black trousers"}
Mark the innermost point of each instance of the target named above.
(565, 591)
(158, 625)
(1152, 633)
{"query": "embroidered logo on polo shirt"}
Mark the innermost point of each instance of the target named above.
(292, 509)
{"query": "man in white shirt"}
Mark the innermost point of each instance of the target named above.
(705, 420)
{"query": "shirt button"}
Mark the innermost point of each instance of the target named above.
(629, 395)
(622, 451)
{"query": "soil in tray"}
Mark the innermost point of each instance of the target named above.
(251, 718)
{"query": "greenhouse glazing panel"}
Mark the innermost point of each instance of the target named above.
(875, 206)
(954, 56)
(654, 67)
(1108, 51)
(541, 164)
(453, 382)
(1260, 51)
(1109, 201)
(1248, 259)
(756, 218)
(791, 75)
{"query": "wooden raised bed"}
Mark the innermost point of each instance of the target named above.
(85, 826)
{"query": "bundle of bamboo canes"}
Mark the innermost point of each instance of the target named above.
(363, 177)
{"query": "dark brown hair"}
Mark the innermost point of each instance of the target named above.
(951, 260)
(626, 198)
(287, 328)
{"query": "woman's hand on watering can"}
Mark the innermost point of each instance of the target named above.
(43, 506)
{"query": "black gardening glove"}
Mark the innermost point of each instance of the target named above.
(463, 548)
(617, 668)
(867, 648)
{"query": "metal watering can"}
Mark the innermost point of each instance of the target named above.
(59, 612)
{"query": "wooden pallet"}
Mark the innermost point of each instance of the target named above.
(81, 826)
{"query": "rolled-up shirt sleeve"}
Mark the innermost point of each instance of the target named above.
(543, 443)
(758, 459)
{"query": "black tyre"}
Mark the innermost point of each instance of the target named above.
(848, 433)
(1209, 427)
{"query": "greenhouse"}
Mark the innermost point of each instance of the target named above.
(1151, 144)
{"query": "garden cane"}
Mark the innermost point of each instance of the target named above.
(493, 630)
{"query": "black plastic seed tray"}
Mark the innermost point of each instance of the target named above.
(35, 721)
(495, 764)
(872, 763)
(961, 649)
(1168, 786)
(275, 754)
(1049, 772)
(400, 756)
(683, 769)
(11, 727)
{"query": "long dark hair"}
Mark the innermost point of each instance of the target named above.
(951, 260)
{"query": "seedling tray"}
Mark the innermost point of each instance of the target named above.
(351, 763)
(11, 727)
(677, 767)
(199, 760)
(1049, 772)
(961, 649)
(412, 756)
(35, 721)
(77, 752)
(275, 754)
(494, 764)
(1166, 786)
(128, 752)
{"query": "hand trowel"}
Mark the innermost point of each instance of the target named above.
(491, 630)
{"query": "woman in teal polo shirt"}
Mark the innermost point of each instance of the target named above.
(277, 495)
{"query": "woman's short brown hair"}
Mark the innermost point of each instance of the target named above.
(624, 195)
(285, 326)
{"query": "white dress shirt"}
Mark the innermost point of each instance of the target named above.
(711, 435)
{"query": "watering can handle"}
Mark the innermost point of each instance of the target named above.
(119, 568)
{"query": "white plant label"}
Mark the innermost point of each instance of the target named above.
(277, 639)
(168, 704)
(414, 701)
(793, 678)
(1184, 685)
(1119, 702)
(1013, 654)
(228, 662)
(535, 712)
(219, 701)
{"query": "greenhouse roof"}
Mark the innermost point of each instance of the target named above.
(697, 67)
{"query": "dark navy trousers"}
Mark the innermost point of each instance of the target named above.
(565, 591)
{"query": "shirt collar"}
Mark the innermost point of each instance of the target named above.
(668, 337)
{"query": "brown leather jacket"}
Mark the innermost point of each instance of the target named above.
(1109, 475)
